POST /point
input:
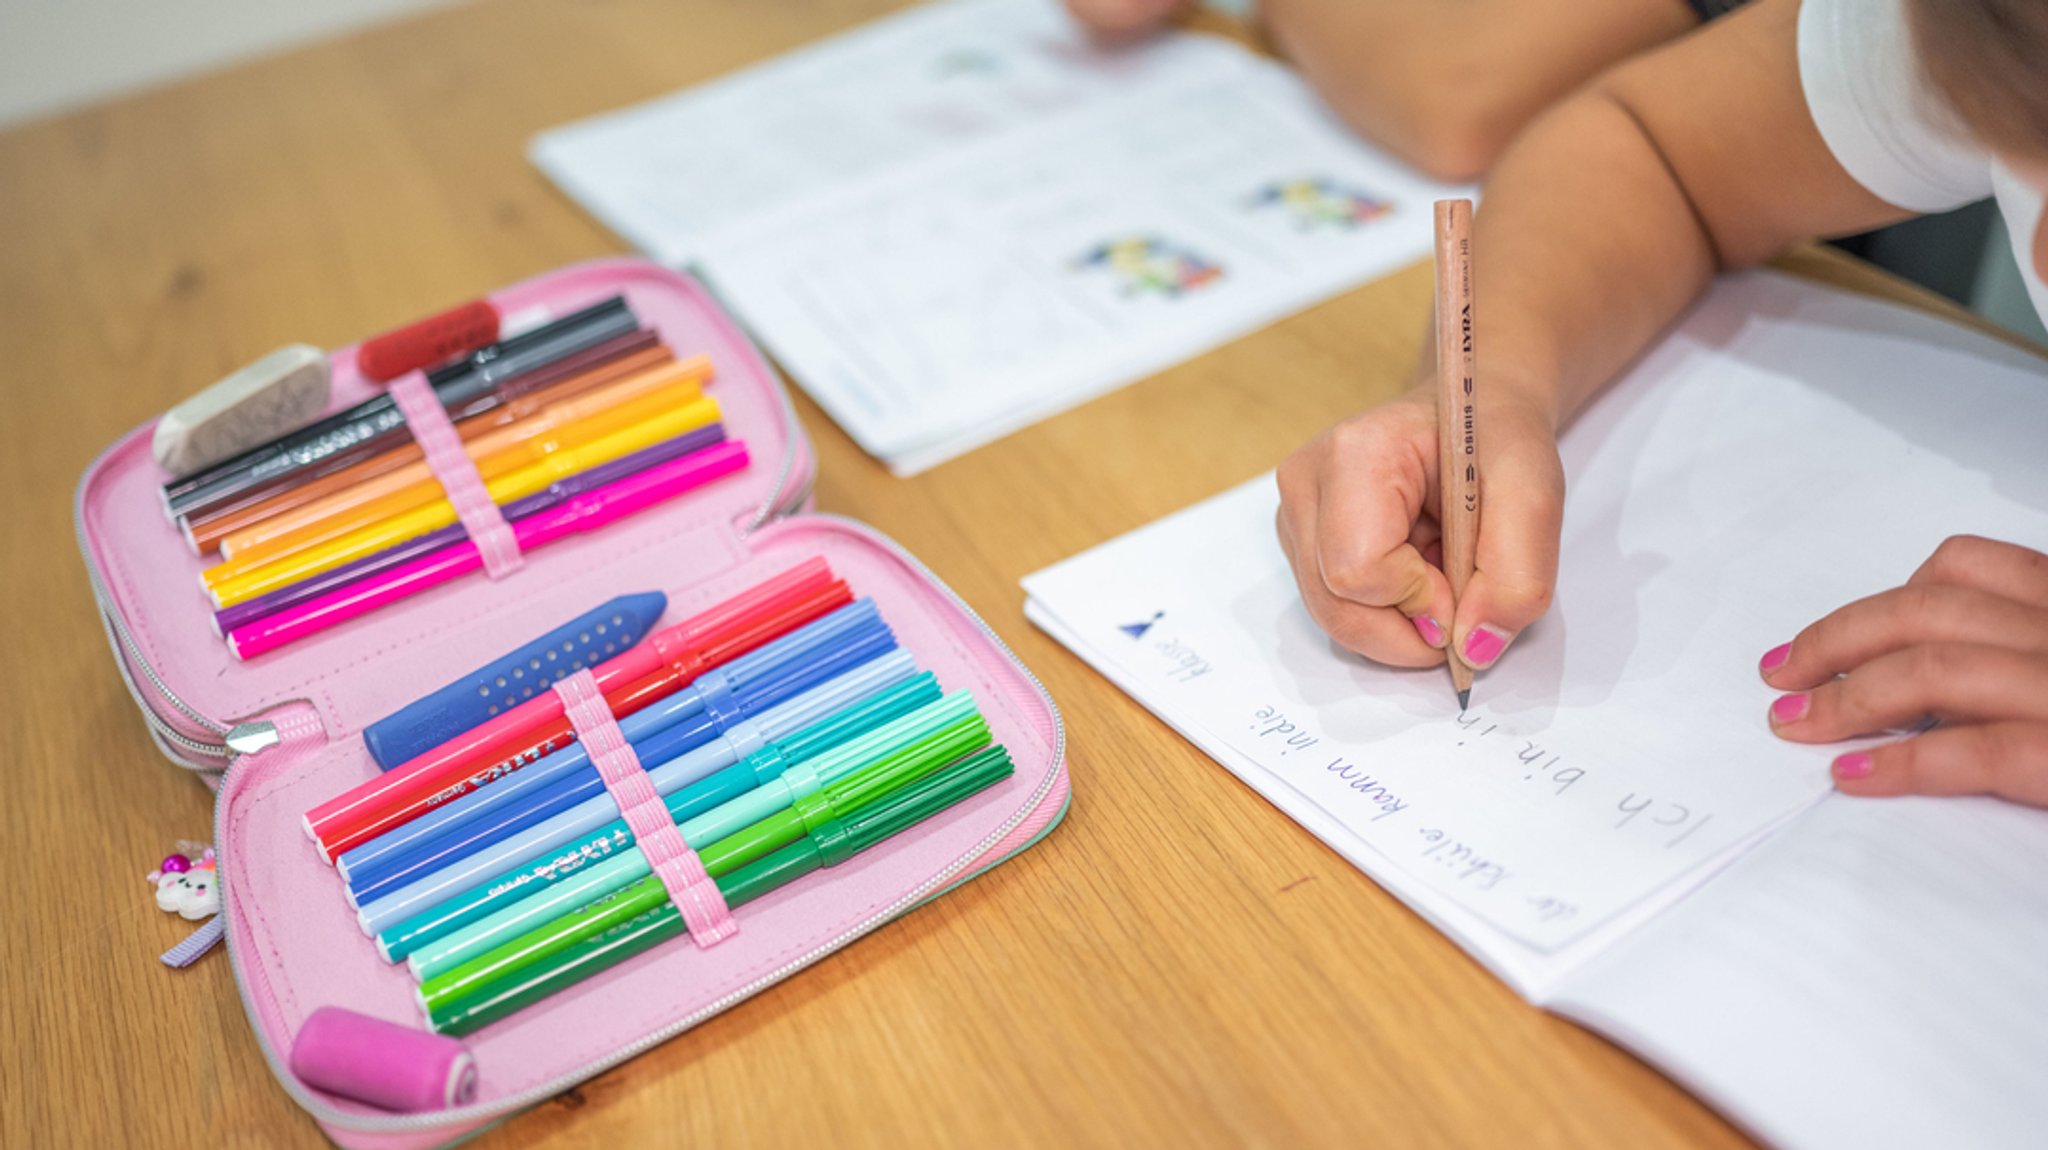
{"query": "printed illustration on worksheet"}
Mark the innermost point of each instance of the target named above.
(1318, 203)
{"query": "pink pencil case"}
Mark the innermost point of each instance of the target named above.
(280, 733)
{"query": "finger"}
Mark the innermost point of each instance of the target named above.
(2000, 568)
(1899, 618)
(1372, 488)
(1121, 18)
(2009, 760)
(1378, 633)
(1950, 681)
(1521, 516)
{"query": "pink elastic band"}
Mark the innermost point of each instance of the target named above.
(681, 872)
(452, 466)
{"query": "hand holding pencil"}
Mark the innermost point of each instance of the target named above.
(1360, 517)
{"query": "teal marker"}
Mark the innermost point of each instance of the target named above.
(536, 874)
(831, 843)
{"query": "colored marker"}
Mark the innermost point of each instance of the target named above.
(557, 849)
(682, 722)
(498, 451)
(241, 614)
(233, 581)
(750, 841)
(829, 844)
(376, 424)
(671, 658)
(583, 513)
(914, 737)
(615, 358)
(512, 678)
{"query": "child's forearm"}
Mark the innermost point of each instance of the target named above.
(1446, 84)
(1585, 249)
(1611, 214)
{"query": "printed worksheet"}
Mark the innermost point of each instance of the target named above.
(951, 303)
(957, 221)
(881, 97)
(1787, 450)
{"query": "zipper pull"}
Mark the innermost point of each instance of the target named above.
(251, 737)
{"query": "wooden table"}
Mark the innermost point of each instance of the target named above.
(1087, 992)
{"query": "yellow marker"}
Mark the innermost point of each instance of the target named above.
(557, 427)
(231, 583)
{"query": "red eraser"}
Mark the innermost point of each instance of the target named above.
(435, 339)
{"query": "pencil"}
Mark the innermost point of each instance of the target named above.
(1457, 410)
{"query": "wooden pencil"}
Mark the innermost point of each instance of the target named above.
(1457, 410)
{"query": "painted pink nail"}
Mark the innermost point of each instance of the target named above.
(1484, 645)
(1432, 632)
(1791, 708)
(1775, 658)
(1855, 765)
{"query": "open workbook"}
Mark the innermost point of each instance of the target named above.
(965, 217)
(1612, 828)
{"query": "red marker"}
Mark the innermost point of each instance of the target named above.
(433, 340)
(662, 664)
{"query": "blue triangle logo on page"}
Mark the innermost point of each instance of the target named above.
(1137, 630)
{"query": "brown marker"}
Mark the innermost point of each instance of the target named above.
(1457, 410)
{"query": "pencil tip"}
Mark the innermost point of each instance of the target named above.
(1464, 700)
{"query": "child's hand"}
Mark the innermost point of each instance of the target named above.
(1358, 522)
(1966, 641)
(1121, 19)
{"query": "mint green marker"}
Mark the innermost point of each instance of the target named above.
(829, 844)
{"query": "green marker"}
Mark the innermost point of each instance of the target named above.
(833, 778)
(554, 922)
(831, 843)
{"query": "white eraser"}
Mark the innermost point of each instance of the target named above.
(255, 405)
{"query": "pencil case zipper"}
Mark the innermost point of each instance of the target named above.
(959, 871)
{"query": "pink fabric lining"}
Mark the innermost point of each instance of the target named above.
(451, 464)
(681, 872)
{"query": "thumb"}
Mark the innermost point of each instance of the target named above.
(1521, 513)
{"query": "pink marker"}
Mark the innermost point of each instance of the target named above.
(586, 512)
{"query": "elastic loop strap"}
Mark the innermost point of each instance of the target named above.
(481, 518)
(681, 872)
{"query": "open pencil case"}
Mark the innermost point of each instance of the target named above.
(281, 733)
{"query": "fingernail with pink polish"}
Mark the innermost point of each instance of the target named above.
(1791, 708)
(1432, 632)
(1855, 765)
(1775, 658)
(1484, 645)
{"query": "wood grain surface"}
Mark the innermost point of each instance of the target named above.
(1177, 964)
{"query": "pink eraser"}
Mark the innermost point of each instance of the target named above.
(384, 1064)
